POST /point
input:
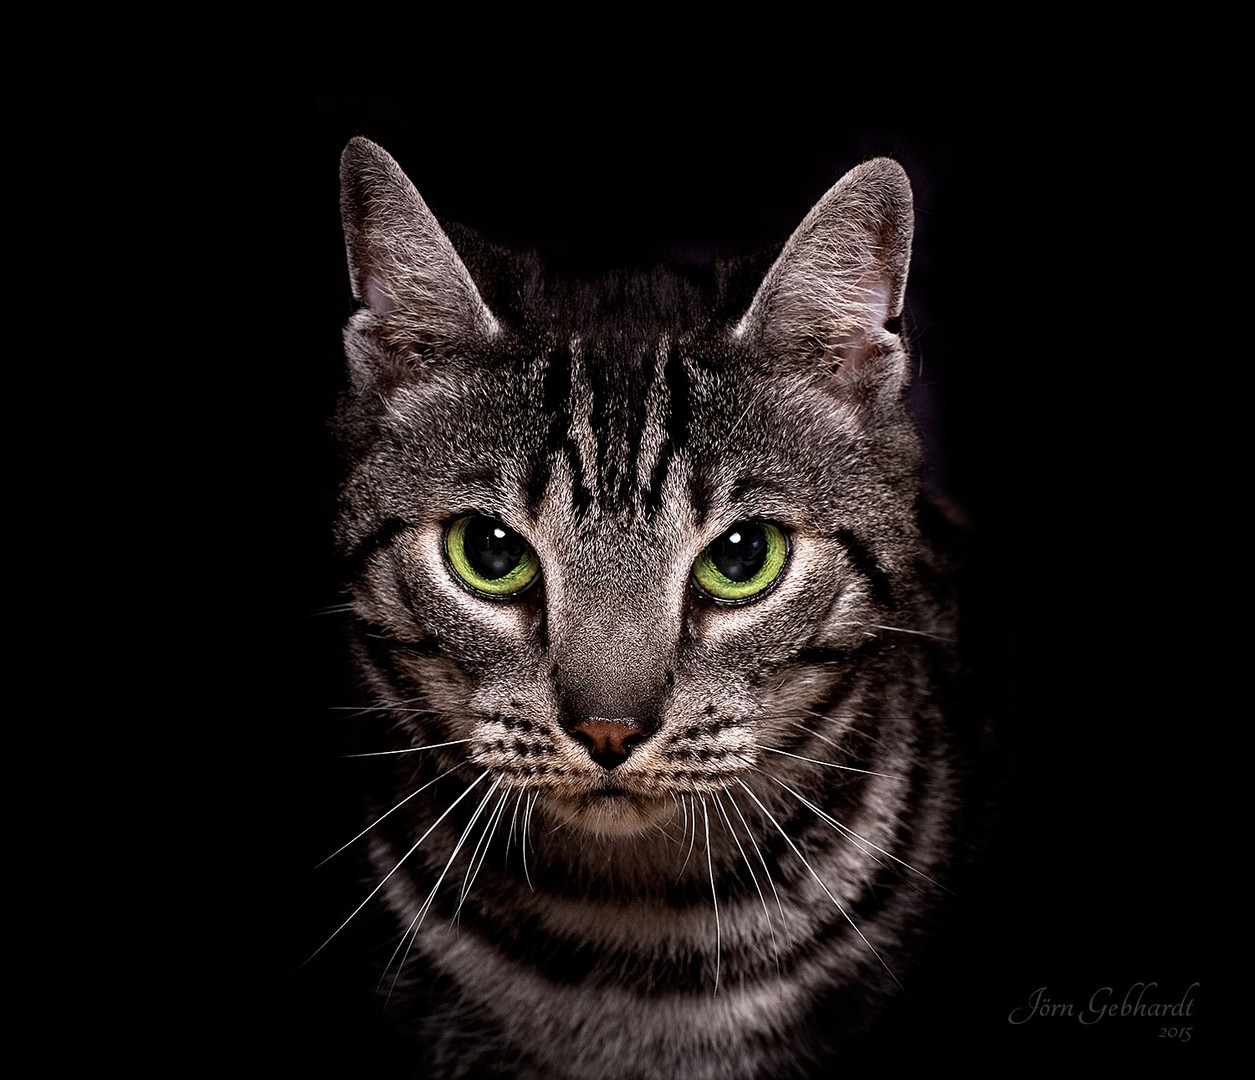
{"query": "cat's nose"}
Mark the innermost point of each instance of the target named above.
(609, 741)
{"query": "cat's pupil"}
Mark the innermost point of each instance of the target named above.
(738, 554)
(491, 548)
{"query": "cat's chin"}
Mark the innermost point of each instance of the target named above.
(612, 813)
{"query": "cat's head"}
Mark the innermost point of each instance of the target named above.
(619, 536)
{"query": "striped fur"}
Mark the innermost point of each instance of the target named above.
(740, 895)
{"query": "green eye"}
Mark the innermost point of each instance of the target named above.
(743, 563)
(490, 557)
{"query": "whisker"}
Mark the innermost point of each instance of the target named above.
(848, 728)
(527, 821)
(514, 817)
(750, 833)
(411, 932)
(385, 814)
(788, 840)
(753, 877)
(407, 710)
(665, 826)
(714, 896)
(918, 633)
(827, 739)
(400, 862)
(829, 764)
(409, 749)
(331, 609)
(862, 733)
(485, 839)
(382, 707)
(851, 721)
(692, 841)
(847, 831)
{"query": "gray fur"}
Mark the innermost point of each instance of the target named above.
(699, 925)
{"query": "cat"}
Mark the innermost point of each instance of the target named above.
(642, 576)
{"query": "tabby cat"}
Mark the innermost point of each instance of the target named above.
(642, 577)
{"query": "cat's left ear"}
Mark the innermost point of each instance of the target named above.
(834, 296)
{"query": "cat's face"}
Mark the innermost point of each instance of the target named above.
(612, 567)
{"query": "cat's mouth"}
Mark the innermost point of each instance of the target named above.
(610, 791)
(611, 810)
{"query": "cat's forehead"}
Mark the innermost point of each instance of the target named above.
(651, 433)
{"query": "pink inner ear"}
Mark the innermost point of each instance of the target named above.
(375, 297)
(859, 328)
(876, 297)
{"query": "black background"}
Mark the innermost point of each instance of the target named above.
(1050, 415)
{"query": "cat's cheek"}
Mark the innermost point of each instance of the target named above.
(502, 623)
(849, 622)
(726, 629)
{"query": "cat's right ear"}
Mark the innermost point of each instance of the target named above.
(402, 267)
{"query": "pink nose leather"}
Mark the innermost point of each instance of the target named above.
(608, 742)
